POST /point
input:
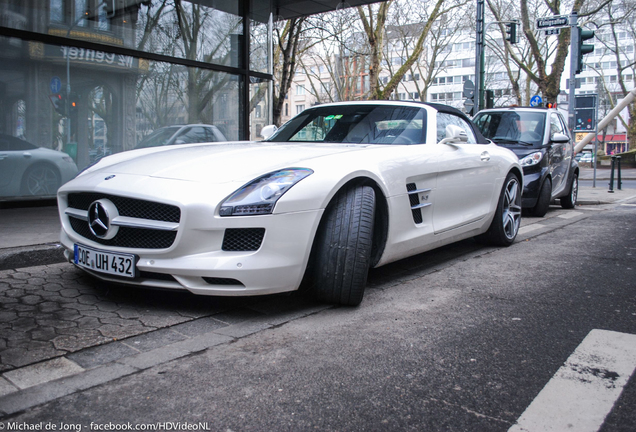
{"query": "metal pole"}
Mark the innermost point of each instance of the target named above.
(479, 58)
(68, 96)
(574, 49)
(594, 159)
(611, 183)
(619, 183)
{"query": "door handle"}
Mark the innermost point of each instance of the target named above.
(485, 156)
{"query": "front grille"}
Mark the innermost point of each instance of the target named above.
(130, 207)
(222, 281)
(128, 237)
(243, 239)
(414, 199)
(139, 238)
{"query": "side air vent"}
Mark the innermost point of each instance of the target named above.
(243, 239)
(222, 281)
(414, 199)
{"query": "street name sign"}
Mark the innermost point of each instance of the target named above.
(553, 21)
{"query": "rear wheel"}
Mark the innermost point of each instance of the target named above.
(569, 201)
(505, 225)
(343, 247)
(543, 203)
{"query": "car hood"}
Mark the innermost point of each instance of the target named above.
(218, 163)
(520, 150)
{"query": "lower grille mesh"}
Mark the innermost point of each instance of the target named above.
(222, 281)
(243, 239)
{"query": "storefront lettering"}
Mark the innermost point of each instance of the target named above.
(92, 56)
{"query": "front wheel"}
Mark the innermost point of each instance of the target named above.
(569, 201)
(40, 179)
(343, 247)
(505, 225)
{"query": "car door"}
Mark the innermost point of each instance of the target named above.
(557, 153)
(15, 155)
(465, 180)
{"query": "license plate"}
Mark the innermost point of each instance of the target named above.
(105, 262)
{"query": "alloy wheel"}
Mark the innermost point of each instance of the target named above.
(511, 216)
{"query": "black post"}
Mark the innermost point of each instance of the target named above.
(620, 183)
(611, 183)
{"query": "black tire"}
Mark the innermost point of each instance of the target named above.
(343, 247)
(40, 180)
(505, 225)
(569, 201)
(543, 202)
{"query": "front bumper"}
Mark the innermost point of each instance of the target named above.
(198, 261)
(532, 182)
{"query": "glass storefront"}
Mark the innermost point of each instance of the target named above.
(82, 79)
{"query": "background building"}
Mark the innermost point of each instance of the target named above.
(94, 77)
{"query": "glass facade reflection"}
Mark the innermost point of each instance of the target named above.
(83, 79)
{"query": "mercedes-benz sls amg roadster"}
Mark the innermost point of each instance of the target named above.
(337, 190)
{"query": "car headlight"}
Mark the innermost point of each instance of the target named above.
(531, 159)
(259, 196)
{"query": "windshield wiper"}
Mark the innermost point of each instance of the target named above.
(511, 141)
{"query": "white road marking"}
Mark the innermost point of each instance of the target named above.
(570, 214)
(528, 228)
(583, 391)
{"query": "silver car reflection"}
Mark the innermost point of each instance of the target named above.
(29, 171)
(182, 134)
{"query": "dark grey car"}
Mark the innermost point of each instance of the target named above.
(541, 140)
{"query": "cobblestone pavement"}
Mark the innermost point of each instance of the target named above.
(56, 310)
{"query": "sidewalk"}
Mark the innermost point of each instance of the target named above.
(29, 235)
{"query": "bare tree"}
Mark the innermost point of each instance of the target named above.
(439, 46)
(374, 21)
(286, 54)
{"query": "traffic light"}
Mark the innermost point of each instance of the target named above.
(551, 105)
(511, 32)
(73, 104)
(59, 103)
(583, 35)
(490, 98)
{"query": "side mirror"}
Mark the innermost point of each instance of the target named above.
(454, 135)
(560, 138)
(268, 131)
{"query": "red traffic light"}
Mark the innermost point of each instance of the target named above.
(551, 105)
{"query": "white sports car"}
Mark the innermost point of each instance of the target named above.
(338, 189)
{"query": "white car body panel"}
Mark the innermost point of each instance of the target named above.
(197, 178)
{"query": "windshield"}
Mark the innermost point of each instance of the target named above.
(512, 127)
(158, 138)
(357, 124)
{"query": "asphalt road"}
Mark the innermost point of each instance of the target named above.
(460, 339)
